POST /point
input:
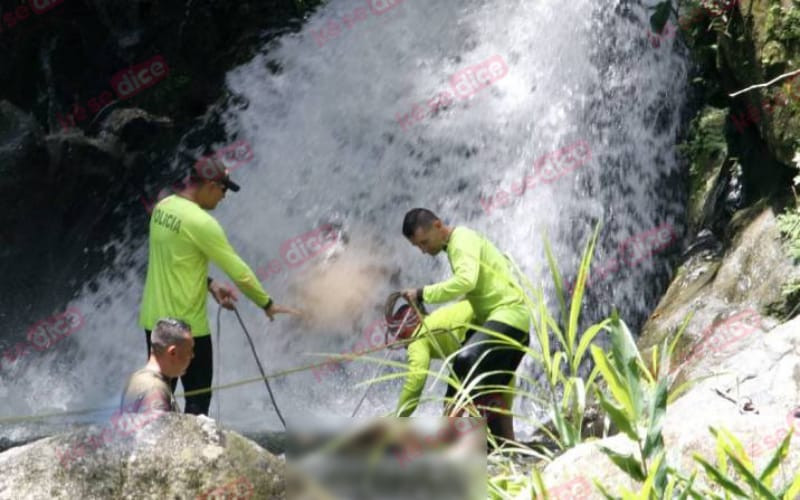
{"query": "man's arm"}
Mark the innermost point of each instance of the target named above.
(214, 244)
(419, 358)
(466, 266)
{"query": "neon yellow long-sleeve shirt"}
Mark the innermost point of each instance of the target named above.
(440, 335)
(483, 276)
(183, 239)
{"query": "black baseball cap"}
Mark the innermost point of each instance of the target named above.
(211, 168)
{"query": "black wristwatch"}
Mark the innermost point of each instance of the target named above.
(208, 285)
(419, 295)
(267, 305)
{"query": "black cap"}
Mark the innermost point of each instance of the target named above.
(211, 168)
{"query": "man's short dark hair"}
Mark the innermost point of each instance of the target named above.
(167, 332)
(417, 218)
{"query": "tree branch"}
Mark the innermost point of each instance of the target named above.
(761, 85)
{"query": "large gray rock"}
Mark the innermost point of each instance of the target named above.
(172, 457)
(719, 280)
(752, 394)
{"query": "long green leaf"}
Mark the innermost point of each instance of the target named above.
(792, 492)
(655, 470)
(777, 457)
(612, 379)
(720, 477)
(654, 442)
(583, 345)
(617, 415)
(750, 478)
(557, 281)
(577, 294)
(627, 463)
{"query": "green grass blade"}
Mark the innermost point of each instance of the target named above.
(777, 457)
(720, 478)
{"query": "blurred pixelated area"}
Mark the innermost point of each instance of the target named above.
(387, 458)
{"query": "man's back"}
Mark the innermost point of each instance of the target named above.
(148, 390)
(496, 294)
(183, 238)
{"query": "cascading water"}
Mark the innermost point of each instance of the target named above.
(352, 127)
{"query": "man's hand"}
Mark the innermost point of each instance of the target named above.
(279, 309)
(411, 295)
(223, 295)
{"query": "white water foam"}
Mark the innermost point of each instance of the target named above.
(329, 149)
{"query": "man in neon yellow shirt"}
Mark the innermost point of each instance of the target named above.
(439, 336)
(482, 275)
(183, 239)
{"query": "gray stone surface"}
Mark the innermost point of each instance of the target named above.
(172, 457)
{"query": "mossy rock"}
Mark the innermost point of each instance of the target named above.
(706, 151)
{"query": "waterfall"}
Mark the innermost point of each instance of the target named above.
(515, 118)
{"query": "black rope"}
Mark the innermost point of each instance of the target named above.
(260, 368)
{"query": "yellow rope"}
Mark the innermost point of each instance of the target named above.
(350, 357)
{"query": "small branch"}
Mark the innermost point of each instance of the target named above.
(725, 396)
(761, 85)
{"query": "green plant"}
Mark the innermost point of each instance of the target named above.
(635, 404)
(731, 457)
(789, 225)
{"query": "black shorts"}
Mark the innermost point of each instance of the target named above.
(500, 357)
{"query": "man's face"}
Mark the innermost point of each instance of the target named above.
(430, 240)
(183, 354)
(211, 193)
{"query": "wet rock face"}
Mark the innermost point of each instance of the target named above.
(172, 456)
(743, 268)
(95, 97)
